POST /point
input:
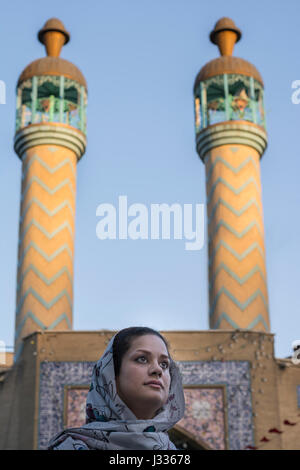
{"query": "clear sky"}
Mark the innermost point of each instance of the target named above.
(140, 60)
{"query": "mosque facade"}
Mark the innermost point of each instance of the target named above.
(238, 395)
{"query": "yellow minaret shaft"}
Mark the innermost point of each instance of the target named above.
(238, 294)
(231, 149)
(49, 144)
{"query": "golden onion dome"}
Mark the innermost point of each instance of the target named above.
(225, 34)
(53, 35)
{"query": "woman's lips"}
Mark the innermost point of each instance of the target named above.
(154, 385)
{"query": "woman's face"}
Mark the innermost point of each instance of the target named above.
(146, 360)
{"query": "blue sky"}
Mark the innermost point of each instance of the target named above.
(140, 60)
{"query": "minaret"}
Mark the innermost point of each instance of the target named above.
(50, 139)
(230, 139)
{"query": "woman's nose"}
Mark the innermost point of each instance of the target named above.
(155, 368)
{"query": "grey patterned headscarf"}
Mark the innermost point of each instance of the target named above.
(111, 425)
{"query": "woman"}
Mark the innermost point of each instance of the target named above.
(135, 396)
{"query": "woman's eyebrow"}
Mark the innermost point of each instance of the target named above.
(149, 352)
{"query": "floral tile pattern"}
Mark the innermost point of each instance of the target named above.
(228, 385)
(236, 377)
(204, 415)
(53, 378)
(75, 406)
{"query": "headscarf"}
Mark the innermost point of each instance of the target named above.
(111, 425)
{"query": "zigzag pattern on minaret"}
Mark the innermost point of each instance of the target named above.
(230, 187)
(237, 212)
(51, 191)
(46, 239)
(47, 258)
(235, 170)
(237, 276)
(238, 256)
(250, 326)
(40, 299)
(35, 158)
(240, 280)
(42, 277)
(236, 233)
(49, 235)
(241, 305)
(41, 324)
(49, 212)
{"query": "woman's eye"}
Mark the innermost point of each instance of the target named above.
(141, 357)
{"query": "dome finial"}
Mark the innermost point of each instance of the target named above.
(225, 34)
(54, 36)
